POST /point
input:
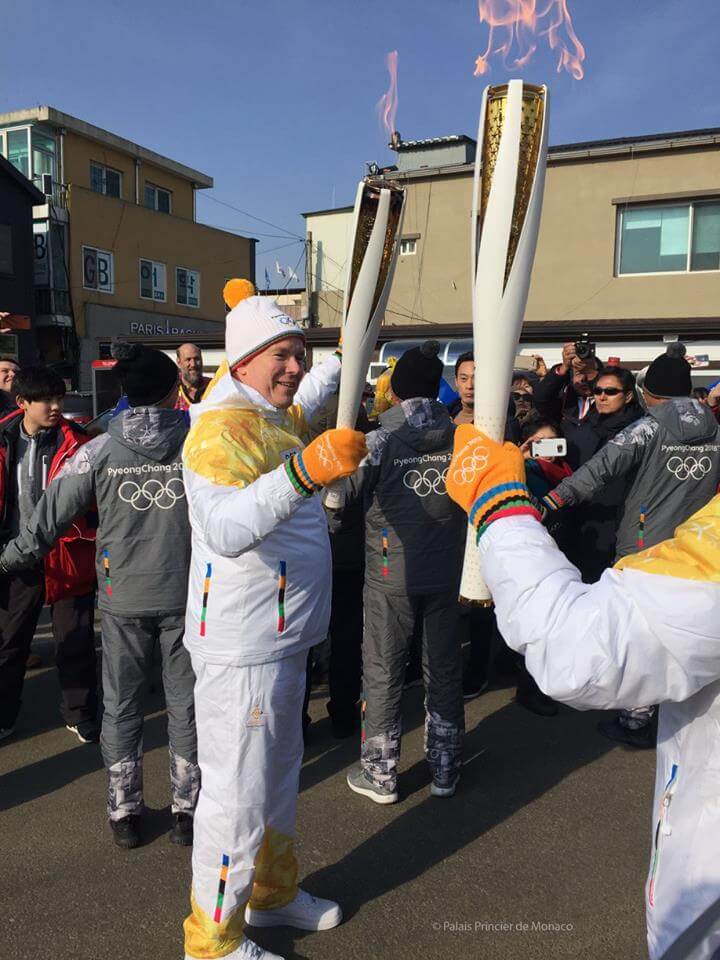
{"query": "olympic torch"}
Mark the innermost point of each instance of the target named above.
(371, 263)
(507, 200)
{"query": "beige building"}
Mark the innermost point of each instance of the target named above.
(118, 250)
(629, 246)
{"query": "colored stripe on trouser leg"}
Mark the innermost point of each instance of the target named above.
(106, 568)
(363, 706)
(384, 553)
(221, 888)
(282, 583)
(641, 529)
(206, 591)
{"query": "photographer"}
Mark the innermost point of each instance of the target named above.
(565, 395)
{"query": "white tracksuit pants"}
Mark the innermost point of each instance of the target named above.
(249, 727)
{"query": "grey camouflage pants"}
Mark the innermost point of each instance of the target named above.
(389, 625)
(128, 645)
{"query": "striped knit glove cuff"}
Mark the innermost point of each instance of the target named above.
(299, 477)
(552, 501)
(503, 500)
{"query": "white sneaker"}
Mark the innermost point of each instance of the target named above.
(248, 950)
(304, 912)
(437, 791)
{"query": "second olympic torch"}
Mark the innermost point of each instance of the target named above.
(507, 201)
(377, 222)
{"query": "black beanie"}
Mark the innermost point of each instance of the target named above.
(418, 372)
(146, 375)
(669, 374)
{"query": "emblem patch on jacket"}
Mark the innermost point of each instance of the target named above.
(257, 718)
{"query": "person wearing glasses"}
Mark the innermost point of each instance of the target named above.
(669, 462)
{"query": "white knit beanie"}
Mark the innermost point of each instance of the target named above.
(253, 325)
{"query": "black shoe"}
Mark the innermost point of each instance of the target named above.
(182, 831)
(642, 738)
(537, 702)
(474, 685)
(87, 731)
(125, 832)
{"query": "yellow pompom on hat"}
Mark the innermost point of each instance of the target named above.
(253, 323)
(236, 290)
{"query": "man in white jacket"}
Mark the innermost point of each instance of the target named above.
(647, 632)
(258, 598)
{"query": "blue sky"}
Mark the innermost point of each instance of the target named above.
(276, 100)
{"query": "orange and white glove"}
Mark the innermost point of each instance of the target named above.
(331, 456)
(487, 479)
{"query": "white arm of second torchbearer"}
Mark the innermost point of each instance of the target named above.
(502, 232)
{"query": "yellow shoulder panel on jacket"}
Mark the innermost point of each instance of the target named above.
(692, 554)
(227, 447)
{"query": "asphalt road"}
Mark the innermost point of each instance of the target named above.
(542, 853)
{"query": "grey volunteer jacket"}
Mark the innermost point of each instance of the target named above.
(671, 460)
(414, 533)
(134, 473)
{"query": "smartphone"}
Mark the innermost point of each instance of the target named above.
(549, 447)
(524, 363)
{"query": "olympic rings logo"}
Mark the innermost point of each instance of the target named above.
(472, 459)
(690, 467)
(425, 482)
(152, 493)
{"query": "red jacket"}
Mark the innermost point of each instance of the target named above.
(70, 565)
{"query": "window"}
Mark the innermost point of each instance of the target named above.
(187, 287)
(43, 156)
(18, 150)
(97, 270)
(6, 251)
(408, 248)
(105, 180)
(157, 199)
(152, 280)
(674, 238)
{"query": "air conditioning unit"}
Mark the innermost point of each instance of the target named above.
(47, 184)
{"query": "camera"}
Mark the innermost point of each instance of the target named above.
(584, 349)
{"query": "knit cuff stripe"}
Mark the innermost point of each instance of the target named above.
(493, 496)
(293, 468)
(552, 501)
(519, 510)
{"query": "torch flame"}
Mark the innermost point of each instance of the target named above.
(388, 103)
(516, 24)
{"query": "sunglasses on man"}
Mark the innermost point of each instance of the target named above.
(521, 397)
(608, 391)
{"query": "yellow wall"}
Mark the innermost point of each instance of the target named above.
(574, 266)
(133, 232)
(573, 277)
(78, 152)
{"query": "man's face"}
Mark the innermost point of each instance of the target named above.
(276, 372)
(190, 363)
(41, 414)
(465, 382)
(8, 372)
(583, 377)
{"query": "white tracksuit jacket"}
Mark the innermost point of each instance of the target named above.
(260, 572)
(647, 632)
